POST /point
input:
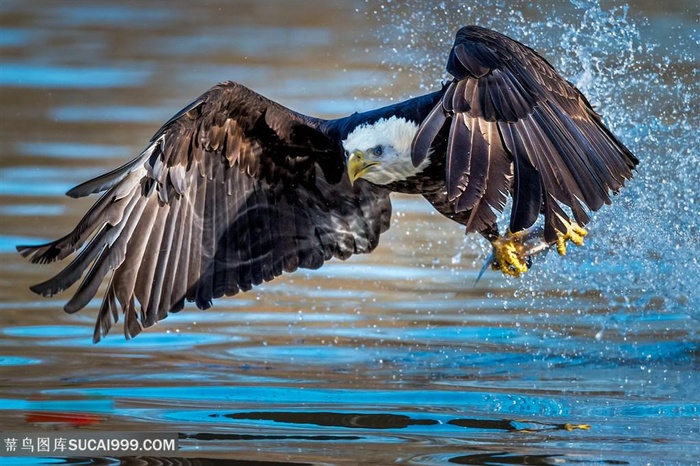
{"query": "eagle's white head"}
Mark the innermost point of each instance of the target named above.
(380, 152)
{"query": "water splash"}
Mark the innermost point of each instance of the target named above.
(644, 248)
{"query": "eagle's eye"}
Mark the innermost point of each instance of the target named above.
(378, 151)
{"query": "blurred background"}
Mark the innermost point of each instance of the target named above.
(397, 356)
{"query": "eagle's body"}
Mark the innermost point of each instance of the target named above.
(236, 189)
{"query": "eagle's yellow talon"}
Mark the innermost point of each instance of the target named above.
(571, 427)
(561, 244)
(574, 233)
(508, 254)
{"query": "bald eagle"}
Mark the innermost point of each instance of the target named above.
(235, 189)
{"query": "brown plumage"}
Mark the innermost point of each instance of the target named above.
(518, 127)
(232, 192)
(235, 189)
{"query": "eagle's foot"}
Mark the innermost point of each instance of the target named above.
(510, 255)
(574, 233)
(571, 427)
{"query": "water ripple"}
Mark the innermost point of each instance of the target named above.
(73, 150)
(76, 77)
(111, 114)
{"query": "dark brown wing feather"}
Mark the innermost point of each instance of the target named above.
(233, 191)
(512, 116)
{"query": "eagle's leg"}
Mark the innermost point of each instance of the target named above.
(574, 233)
(510, 254)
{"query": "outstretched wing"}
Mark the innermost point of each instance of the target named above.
(232, 191)
(517, 126)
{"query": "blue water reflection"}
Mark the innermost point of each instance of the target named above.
(27, 210)
(17, 37)
(72, 150)
(41, 181)
(113, 114)
(78, 77)
(17, 361)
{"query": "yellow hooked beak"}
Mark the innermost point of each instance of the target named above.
(357, 165)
